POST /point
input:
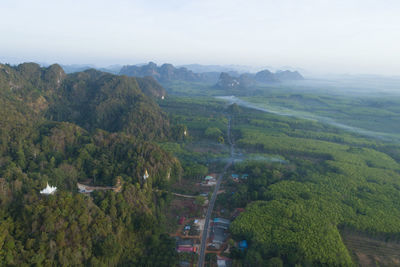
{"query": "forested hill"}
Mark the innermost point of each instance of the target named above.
(167, 73)
(246, 80)
(94, 99)
(91, 99)
(30, 77)
(89, 127)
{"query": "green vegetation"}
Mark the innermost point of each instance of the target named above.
(93, 99)
(331, 180)
(215, 134)
(201, 150)
(112, 140)
(71, 229)
(189, 89)
(379, 114)
(320, 183)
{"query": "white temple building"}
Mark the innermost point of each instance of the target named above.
(49, 190)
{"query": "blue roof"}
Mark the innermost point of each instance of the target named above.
(221, 220)
(235, 175)
(243, 244)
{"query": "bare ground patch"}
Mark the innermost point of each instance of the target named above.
(367, 251)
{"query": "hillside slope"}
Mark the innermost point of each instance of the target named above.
(88, 127)
(94, 99)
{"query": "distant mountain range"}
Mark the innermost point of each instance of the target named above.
(220, 68)
(227, 77)
(114, 69)
(246, 80)
(167, 73)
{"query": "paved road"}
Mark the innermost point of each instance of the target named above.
(213, 198)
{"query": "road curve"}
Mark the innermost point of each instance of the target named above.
(213, 198)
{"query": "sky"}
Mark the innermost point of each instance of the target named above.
(320, 36)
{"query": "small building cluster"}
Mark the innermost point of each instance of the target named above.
(191, 229)
(186, 246)
(219, 232)
(238, 178)
(209, 180)
(188, 241)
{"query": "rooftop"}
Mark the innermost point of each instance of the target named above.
(222, 220)
(243, 244)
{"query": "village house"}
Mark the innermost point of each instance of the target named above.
(235, 177)
(222, 223)
(181, 220)
(243, 245)
(185, 242)
(210, 180)
(223, 261)
(82, 189)
(184, 264)
(186, 249)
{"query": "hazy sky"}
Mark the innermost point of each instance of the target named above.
(351, 36)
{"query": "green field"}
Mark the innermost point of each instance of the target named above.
(330, 179)
(333, 178)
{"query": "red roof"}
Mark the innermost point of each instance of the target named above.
(186, 249)
(181, 220)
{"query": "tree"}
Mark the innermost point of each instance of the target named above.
(214, 133)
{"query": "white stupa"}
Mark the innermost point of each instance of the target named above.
(162, 97)
(146, 175)
(49, 190)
